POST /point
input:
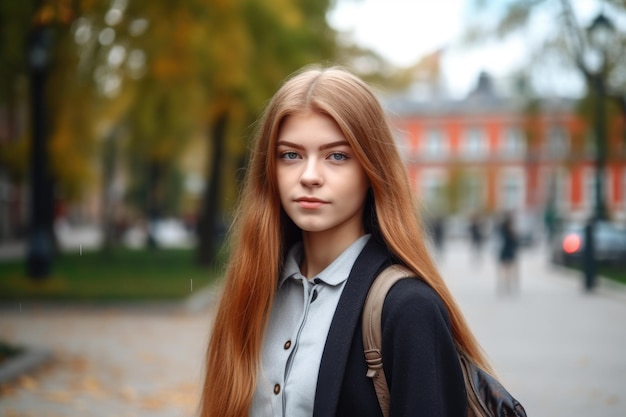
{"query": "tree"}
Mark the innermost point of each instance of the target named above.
(132, 81)
(570, 39)
(262, 42)
(14, 17)
(594, 50)
(38, 37)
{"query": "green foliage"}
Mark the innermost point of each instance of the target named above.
(167, 73)
(13, 158)
(14, 17)
(156, 186)
(67, 104)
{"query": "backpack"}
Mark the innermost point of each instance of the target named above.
(486, 397)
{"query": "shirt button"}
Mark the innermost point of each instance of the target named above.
(287, 344)
(277, 389)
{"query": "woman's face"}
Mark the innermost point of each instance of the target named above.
(321, 183)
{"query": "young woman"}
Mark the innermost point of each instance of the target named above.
(326, 206)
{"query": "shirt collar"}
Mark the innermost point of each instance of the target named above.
(335, 273)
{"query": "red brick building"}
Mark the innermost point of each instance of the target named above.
(491, 154)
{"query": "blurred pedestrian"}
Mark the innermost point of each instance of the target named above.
(326, 206)
(508, 274)
(551, 222)
(476, 234)
(438, 231)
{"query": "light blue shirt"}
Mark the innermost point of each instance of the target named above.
(296, 334)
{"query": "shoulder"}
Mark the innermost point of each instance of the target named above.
(413, 299)
(413, 291)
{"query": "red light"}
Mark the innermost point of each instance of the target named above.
(571, 243)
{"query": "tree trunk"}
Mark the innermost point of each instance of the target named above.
(154, 203)
(108, 173)
(210, 207)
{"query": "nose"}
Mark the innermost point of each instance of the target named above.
(312, 175)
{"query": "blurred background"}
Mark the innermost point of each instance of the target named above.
(126, 122)
(125, 126)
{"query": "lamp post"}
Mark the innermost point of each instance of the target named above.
(40, 245)
(599, 33)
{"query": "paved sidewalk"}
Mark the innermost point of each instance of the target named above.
(109, 362)
(559, 350)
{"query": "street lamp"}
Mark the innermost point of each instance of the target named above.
(599, 34)
(40, 248)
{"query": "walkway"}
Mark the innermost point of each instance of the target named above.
(110, 363)
(559, 351)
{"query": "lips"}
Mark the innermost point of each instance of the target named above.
(310, 202)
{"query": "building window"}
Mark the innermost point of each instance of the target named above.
(435, 144)
(474, 143)
(557, 142)
(589, 188)
(473, 191)
(563, 189)
(591, 145)
(434, 183)
(512, 193)
(513, 143)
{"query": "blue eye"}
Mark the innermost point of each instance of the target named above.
(289, 155)
(338, 156)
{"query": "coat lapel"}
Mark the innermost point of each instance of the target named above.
(343, 325)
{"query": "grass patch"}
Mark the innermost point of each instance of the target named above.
(8, 351)
(119, 275)
(615, 273)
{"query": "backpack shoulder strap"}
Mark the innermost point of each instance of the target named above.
(372, 329)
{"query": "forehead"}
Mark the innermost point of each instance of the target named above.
(310, 127)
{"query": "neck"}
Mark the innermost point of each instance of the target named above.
(321, 249)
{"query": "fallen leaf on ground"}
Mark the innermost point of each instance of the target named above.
(92, 386)
(129, 394)
(27, 382)
(7, 390)
(59, 396)
(148, 357)
(12, 413)
(153, 403)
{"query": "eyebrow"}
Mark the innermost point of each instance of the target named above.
(324, 146)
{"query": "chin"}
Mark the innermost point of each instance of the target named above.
(312, 229)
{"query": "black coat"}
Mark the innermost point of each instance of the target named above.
(420, 360)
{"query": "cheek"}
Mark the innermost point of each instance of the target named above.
(283, 183)
(280, 178)
(280, 187)
(357, 188)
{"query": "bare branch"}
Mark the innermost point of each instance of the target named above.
(576, 38)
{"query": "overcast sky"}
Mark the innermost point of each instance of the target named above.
(403, 31)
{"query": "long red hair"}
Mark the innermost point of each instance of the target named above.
(262, 233)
